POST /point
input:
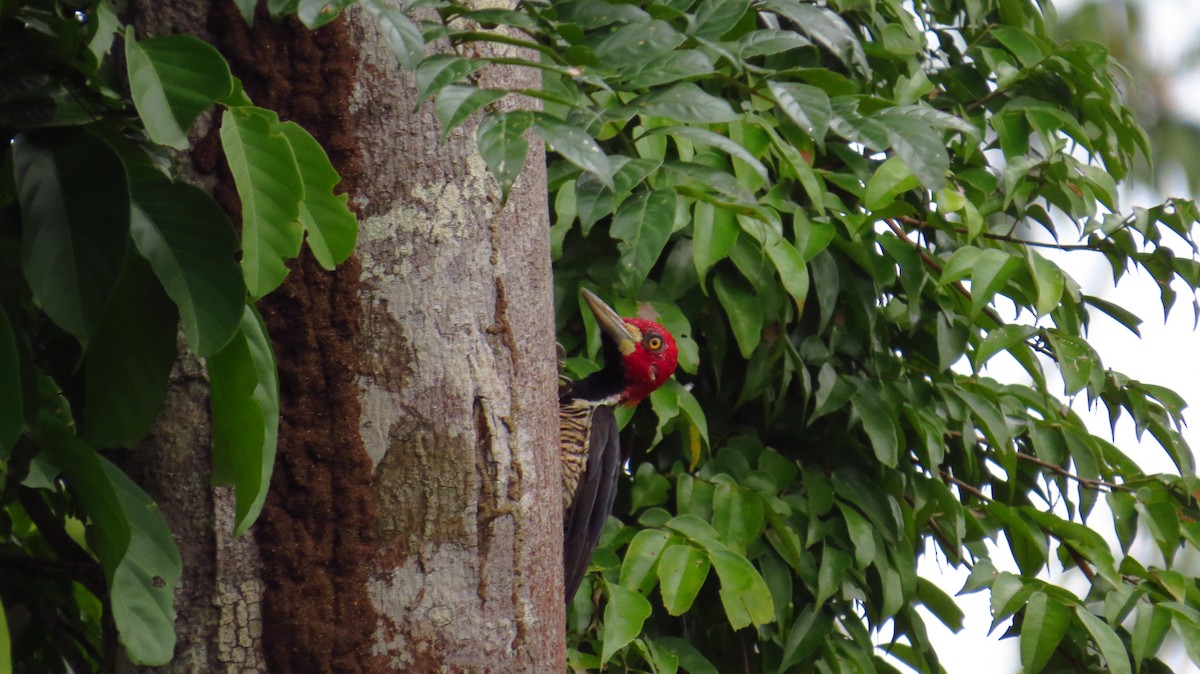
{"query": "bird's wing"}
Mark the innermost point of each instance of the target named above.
(593, 499)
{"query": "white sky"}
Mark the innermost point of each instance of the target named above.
(1164, 355)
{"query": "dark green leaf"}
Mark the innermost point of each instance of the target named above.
(190, 244)
(172, 79)
(75, 203)
(714, 232)
(804, 104)
(880, 423)
(642, 225)
(269, 184)
(940, 604)
(457, 102)
(143, 585)
(805, 637)
(439, 70)
(825, 27)
(743, 310)
(1116, 659)
(834, 564)
(128, 360)
(1046, 622)
(575, 146)
(1149, 630)
(244, 392)
(501, 141)
(685, 102)
(398, 31)
(331, 228)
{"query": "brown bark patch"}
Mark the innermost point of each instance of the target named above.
(317, 526)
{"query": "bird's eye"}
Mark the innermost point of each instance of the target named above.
(654, 343)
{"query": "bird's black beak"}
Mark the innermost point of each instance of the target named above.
(613, 325)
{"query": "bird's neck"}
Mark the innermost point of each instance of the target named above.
(603, 387)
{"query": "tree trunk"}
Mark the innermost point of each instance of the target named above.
(413, 518)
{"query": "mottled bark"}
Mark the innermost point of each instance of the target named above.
(459, 393)
(414, 518)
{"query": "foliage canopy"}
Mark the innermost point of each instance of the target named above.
(104, 254)
(843, 211)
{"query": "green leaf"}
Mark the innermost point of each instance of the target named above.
(316, 13)
(1118, 313)
(623, 618)
(244, 392)
(922, 148)
(825, 27)
(172, 79)
(190, 244)
(891, 179)
(737, 515)
(1149, 630)
(269, 184)
(1049, 281)
(692, 410)
(639, 566)
(108, 533)
(1046, 621)
(575, 146)
(638, 42)
(690, 659)
(793, 272)
(804, 104)
(439, 70)
(940, 604)
(1000, 339)
(12, 412)
(1116, 659)
(501, 142)
(834, 564)
(1076, 360)
(992, 270)
(880, 423)
(682, 570)
(143, 586)
(744, 593)
(642, 225)
(129, 360)
(332, 229)
(714, 232)
(650, 488)
(75, 207)
(714, 18)
(685, 102)
(805, 637)
(400, 33)
(457, 102)
(712, 139)
(743, 310)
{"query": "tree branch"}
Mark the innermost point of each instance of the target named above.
(1086, 483)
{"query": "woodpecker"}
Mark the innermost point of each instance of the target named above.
(639, 357)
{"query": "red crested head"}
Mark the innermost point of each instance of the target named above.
(646, 351)
(651, 362)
